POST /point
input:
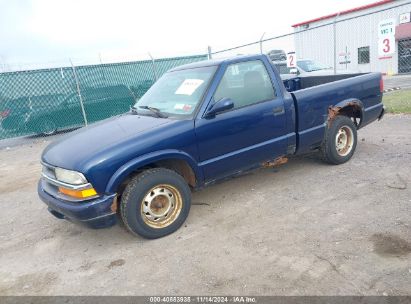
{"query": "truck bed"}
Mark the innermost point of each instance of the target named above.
(304, 82)
(312, 106)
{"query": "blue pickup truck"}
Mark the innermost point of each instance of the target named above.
(199, 123)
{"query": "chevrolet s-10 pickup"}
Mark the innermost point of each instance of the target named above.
(199, 123)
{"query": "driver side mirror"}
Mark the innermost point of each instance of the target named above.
(222, 105)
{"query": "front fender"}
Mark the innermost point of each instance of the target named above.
(124, 171)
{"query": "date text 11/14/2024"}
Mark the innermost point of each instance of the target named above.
(203, 299)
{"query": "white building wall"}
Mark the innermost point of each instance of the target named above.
(353, 33)
(316, 44)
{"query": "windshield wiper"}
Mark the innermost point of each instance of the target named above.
(156, 111)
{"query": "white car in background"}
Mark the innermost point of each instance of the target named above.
(308, 67)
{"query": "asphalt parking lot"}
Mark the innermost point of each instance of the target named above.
(397, 81)
(304, 228)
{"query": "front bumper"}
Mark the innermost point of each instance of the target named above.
(95, 213)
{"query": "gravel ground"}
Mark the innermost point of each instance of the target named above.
(304, 228)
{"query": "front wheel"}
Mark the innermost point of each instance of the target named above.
(340, 140)
(155, 203)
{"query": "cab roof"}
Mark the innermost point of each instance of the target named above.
(214, 62)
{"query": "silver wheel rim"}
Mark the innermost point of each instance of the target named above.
(161, 206)
(344, 141)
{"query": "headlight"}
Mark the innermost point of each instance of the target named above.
(70, 183)
(70, 177)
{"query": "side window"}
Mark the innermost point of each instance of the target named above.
(364, 55)
(245, 83)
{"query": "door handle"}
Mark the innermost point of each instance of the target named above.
(278, 110)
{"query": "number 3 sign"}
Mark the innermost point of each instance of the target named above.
(291, 60)
(386, 46)
(386, 40)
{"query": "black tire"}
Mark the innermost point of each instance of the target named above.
(330, 150)
(133, 202)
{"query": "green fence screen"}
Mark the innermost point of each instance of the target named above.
(49, 100)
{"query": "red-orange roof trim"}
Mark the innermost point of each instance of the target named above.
(355, 9)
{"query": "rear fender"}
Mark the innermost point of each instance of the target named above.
(348, 106)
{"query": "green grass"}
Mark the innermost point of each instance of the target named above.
(398, 101)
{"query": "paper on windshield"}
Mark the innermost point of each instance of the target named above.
(182, 106)
(189, 86)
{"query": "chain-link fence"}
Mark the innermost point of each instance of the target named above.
(50, 100)
(371, 38)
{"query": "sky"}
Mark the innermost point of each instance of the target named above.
(47, 32)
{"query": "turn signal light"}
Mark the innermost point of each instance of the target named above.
(78, 193)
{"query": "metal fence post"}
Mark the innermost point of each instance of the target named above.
(79, 94)
(261, 43)
(103, 74)
(335, 43)
(209, 52)
(154, 66)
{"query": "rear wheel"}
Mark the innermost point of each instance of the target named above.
(340, 140)
(155, 203)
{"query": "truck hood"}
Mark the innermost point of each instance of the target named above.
(76, 148)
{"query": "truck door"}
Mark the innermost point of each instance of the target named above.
(252, 132)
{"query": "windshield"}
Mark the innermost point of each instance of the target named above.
(176, 94)
(311, 65)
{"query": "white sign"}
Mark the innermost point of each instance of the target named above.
(189, 86)
(405, 18)
(386, 46)
(386, 28)
(386, 38)
(344, 58)
(291, 60)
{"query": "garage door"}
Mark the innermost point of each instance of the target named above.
(404, 56)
